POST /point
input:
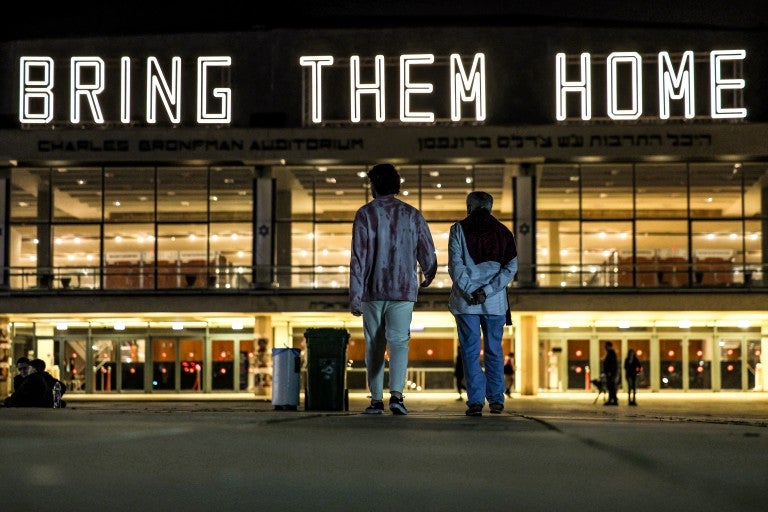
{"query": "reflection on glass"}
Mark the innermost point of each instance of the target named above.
(670, 364)
(104, 366)
(163, 364)
(132, 354)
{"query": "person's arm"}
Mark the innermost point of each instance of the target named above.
(425, 253)
(357, 264)
(457, 266)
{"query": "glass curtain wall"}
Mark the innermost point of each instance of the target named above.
(651, 225)
(131, 227)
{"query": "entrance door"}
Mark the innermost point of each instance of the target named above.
(730, 363)
(177, 364)
(118, 363)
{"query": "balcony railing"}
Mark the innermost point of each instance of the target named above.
(194, 277)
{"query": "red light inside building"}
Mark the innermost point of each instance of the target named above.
(670, 369)
(671, 353)
(578, 353)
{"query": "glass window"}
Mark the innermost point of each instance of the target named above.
(104, 366)
(602, 244)
(163, 364)
(661, 191)
(129, 256)
(606, 191)
(231, 197)
(129, 194)
(717, 251)
(730, 363)
(76, 194)
(716, 190)
(28, 188)
(132, 357)
(191, 359)
(182, 256)
(223, 358)
(444, 191)
(670, 364)
(699, 364)
(231, 255)
(182, 194)
(76, 255)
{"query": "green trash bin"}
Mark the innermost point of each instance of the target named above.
(326, 370)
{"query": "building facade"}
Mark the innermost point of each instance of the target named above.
(175, 207)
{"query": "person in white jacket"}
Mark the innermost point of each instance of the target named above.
(482, 261)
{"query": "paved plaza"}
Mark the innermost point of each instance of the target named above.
(677, 451)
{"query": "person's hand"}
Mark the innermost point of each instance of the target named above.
(478, 296)
(357, 312)
(425, 283)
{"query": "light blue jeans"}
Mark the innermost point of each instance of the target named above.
(386, 324)
(488, 384)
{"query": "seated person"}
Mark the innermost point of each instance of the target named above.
(22, 364)
(50, 380)
(33, 391)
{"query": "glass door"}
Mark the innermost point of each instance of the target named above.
(164, 364)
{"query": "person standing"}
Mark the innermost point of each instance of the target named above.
(509, 373)
(482, 261)
(389, 239)
(458, 373)
(631, 369)
(611, 369)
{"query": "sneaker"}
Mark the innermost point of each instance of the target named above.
(376, 407)
(496, 408)
(474, 410)
(397, 406)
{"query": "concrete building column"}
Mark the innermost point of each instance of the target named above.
(525, 224)
(262, 332)
(263, 234)
(5, 358)
(527, 339)
(761, 381)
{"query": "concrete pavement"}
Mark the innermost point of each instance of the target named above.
(561, 451)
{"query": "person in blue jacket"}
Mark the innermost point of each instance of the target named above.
(482, 261)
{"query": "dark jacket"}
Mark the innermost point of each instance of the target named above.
(631, 367)
(610, 363)
(32, 392)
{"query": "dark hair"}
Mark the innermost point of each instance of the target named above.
(384, 179)
(37, 364)
(22, 360)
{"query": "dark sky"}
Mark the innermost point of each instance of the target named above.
(128, 17)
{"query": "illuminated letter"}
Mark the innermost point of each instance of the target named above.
(35, 89)
(407, 88)
(125, 90)
(90, 90)
(582, 87)
(222, 93)
(635, 61)
(676, 86)
(464, 88)
(716, 57)
(158, 86)
(357, 89)
(316, 64)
